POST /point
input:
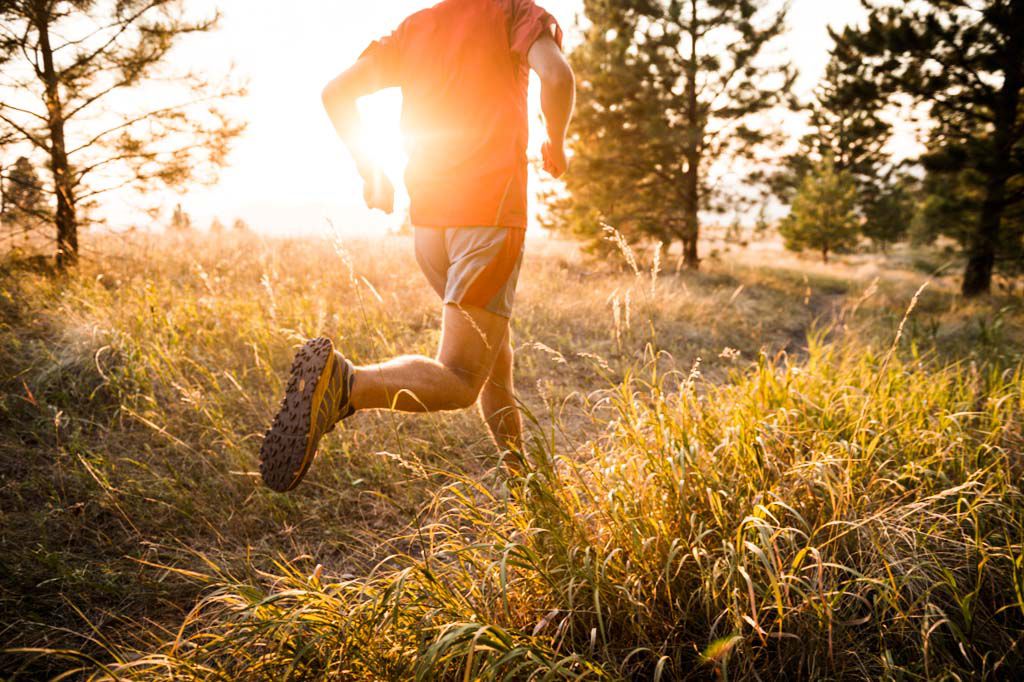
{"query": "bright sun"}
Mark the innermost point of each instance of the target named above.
(381, 115)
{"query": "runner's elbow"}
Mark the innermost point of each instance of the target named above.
(558, 76)
(335, 92)
(327, 95)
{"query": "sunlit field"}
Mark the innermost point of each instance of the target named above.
(766, 469)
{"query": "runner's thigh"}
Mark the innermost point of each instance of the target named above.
(471, 339)
(432, 256)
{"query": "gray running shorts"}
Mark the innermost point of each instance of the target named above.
(472, 266)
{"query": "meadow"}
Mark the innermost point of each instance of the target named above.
(771, 468)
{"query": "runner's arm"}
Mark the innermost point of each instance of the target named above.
(339, 98)
(557, 98)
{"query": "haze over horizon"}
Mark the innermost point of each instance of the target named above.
(290, 174)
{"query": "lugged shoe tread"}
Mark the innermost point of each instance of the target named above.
(283, 459)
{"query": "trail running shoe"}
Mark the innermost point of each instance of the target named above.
(317, 397)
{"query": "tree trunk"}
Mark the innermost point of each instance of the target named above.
(694, 132)
(691, 220)
(690, 259)
(67, 222)
(985, 241)
(824, 255)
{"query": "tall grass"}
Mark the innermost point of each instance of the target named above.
(848, 512)
(842, 517)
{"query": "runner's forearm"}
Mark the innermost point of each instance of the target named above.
(339, 98)
(344, 116)
(557, 99)
(557, 86)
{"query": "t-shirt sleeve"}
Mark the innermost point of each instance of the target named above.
(386, 54)
(527, 22)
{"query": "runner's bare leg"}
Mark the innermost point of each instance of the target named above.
(498, 403)
(471, 339)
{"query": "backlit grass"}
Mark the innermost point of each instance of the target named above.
(844, 507)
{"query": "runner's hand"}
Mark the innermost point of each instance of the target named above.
(378, 192)
(555, 162)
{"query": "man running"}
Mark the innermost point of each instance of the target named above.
(463, 68)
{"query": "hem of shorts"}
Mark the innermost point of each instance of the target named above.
(452, 301)
(444, 226)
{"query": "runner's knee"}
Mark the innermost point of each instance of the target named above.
(466, 389)
(466, 396)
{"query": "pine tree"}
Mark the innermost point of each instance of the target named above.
(180, 220)
(24, 203)
(761, 224)
(824, 211)
(847, 125)
(70, 62)
(888, 211)
(665, 88)
(965, 61)
(954, 195)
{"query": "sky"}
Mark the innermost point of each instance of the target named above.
(289, 173)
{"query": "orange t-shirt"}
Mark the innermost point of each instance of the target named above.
(462, 66)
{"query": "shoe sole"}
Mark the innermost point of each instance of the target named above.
(290, 444)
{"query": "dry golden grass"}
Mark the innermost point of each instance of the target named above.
(712, 492)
